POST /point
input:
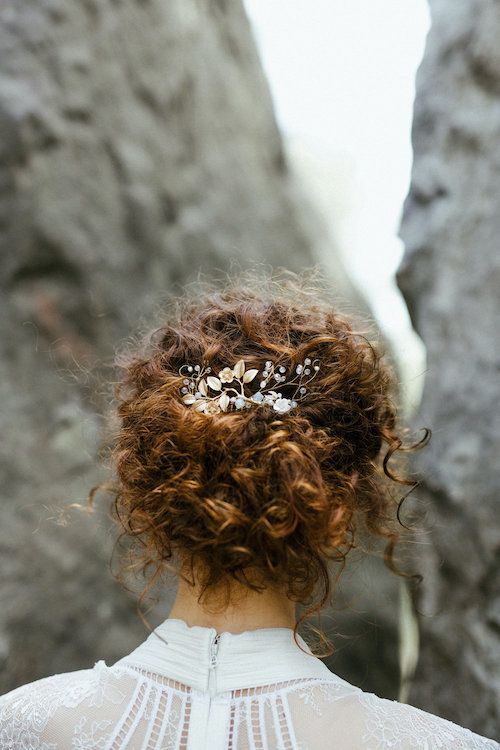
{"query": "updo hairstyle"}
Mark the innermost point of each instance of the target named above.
(252, 495)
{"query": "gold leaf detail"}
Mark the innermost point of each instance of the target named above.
(202, 387)
(214, 383)
(224, 401)
(239, 368)
(201, 407)
(189, 398)
(249, 375)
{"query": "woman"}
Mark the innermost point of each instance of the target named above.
(255, 444)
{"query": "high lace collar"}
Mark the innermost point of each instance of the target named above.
(207, 661)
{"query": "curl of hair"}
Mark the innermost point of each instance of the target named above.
(254, 496)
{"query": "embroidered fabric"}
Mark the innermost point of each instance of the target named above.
(141, 704)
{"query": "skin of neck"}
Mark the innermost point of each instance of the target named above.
(247, 609)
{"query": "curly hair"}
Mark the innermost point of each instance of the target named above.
(277, 495)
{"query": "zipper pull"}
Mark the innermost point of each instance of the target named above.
(213, 651)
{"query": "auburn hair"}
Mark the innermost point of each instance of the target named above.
(252, 495)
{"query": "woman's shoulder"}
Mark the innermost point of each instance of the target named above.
(363, 720)
(39, 713)
(71, 687)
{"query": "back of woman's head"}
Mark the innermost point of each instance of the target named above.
(260, 495)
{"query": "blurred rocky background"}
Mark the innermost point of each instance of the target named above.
(450, 276)
(138, 146)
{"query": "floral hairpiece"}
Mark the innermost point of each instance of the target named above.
(211, 394)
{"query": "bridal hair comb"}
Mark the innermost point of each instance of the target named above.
(228, 391)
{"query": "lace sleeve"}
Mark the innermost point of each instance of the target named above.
(325, 718)
(41, 715)
(396, 725)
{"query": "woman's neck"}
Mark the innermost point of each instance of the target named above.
(248, 610)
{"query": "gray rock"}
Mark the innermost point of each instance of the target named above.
(450, 276)
(138, 146)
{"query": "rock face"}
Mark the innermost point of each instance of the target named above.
(450, 277)
(137, 146)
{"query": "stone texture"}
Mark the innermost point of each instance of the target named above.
(137, 146)
(450, 276)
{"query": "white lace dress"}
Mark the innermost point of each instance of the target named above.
(192, 689)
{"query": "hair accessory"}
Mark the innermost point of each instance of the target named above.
(213, 394)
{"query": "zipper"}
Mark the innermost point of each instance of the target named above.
(214, 648)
